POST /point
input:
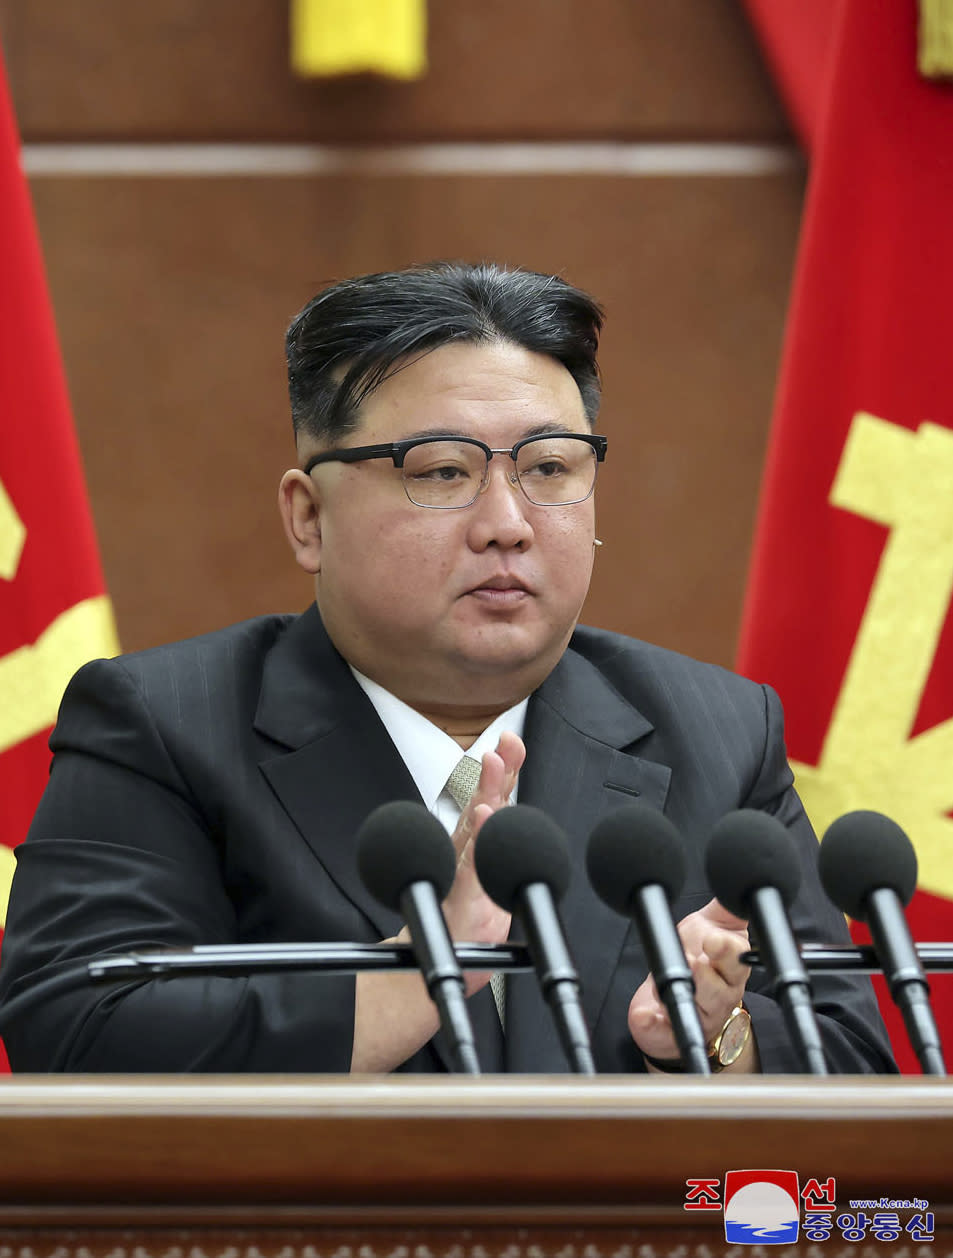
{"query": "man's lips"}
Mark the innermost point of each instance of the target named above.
(501, 587)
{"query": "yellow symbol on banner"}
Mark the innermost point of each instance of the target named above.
(33, 677)
(12, 537)
(935, 39)
(7, 865)
(903, 480)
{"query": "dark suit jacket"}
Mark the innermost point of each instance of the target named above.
(210, 792)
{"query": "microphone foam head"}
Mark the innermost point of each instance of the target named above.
(401, 843)
(748, 850)
(861, 852)
(634, 847)
(518, 846)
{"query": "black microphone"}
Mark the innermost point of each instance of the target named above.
(522, 862)
(753, 869)
(636, 864)
(868, 868)
(407, 862)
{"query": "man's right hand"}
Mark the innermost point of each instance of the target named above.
(471, 914)
(393, 1014)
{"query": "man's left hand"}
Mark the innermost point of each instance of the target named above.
(713, 940)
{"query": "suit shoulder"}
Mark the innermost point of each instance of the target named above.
(195, 694)
(227, 661)
(659, 675)
(229, 647)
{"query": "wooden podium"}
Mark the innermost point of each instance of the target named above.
(413, 1167)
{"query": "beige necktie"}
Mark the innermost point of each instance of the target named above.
(463, 781)
(461, 784)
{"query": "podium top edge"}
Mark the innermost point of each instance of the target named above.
(490, 1096)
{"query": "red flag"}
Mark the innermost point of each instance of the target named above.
(849, 602)
(54, 614)
(798, 38)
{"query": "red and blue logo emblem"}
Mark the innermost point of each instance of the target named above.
(761, 1207)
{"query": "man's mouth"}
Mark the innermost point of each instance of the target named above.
(503, 583)
(502, 591)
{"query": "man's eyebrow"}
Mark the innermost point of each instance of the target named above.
(535, 430)
(538, 430)
(441, 431)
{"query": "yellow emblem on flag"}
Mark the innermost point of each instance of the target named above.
(903, 480)
(12, 536)
(348, 36)
(8, 863)
(33, 677)
(32, 681)
(935, 40)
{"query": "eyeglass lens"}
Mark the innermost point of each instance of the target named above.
(551, 471)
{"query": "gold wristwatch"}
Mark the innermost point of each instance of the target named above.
(729, 1043)
(724, 1050)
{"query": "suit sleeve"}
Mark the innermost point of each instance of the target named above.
(852, 1031)
(120, 857)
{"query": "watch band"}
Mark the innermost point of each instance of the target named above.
(668, 1065)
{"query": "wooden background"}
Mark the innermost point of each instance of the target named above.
(172, 291)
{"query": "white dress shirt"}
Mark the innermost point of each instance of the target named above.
(430, 754)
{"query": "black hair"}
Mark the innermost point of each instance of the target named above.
(350, 338)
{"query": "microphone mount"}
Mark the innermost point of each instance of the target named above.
(859, 958)
(324, 958)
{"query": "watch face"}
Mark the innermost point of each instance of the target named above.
(734, 1038)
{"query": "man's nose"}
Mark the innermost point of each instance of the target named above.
(500, 513)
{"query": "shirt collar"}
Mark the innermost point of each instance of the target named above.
(430, 754)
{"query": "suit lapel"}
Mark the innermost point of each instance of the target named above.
(579, 766)
(339, 764)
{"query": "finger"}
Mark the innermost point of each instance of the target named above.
(492, 779)
(716, 913)
(500, 769)
(468, 831)
(645, 1008)
(649, 1023)
(716, 993)
(646, 1023)
(724, 950)
(512, 752)
(488, 792)
(498, 772)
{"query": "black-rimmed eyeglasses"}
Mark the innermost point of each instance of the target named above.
(554, 469)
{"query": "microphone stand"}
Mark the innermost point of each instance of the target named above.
(859, 958)
(323, 958)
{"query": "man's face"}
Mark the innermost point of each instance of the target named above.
(451, 609)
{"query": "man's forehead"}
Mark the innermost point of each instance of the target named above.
(467, 378)
(493, 390)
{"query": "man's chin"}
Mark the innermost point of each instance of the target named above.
(487, 681)
(511, 655)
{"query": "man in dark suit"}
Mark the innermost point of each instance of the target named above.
(209, 792)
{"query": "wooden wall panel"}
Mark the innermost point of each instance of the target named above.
(172, 293)
(172, 296)
(543, 69)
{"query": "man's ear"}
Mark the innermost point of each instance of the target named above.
(300, 507)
